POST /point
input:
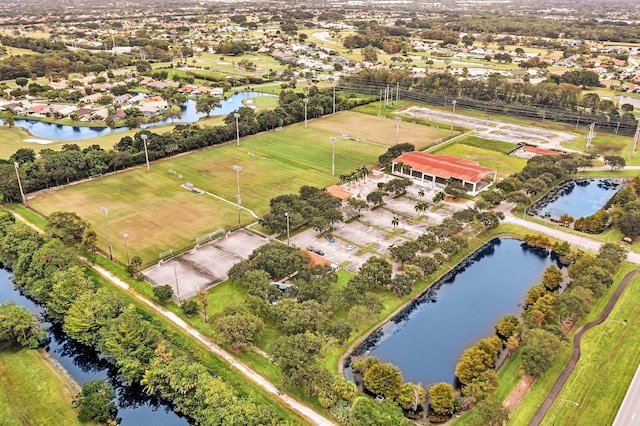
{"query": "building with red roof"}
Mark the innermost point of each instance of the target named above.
(540, 151)
(424, 168)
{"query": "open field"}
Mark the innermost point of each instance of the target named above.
(377, 129)
(611, 352)
(158, 214)
(504, 164)
(33, 392)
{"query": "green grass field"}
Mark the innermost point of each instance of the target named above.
(487, 144)
(488, 157)
(33, 392)
(158, 214)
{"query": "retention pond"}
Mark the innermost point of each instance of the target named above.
(427, 338)
(577, 198)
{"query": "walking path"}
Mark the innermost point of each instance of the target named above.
(579, 241)
(306, 412)
(575, 356)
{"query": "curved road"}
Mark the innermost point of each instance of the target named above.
(575, 356)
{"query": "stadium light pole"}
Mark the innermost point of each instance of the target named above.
(175, 273)
(305, 101)
(453, 116)
(398, 120)
(144, 137)
(333, 155)
(237, 116)
(287, 216)
(126, 250)
(105, 212)
(16, 165)
(238, 169)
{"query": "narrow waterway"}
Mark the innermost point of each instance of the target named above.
(427, 338)
(135, 407)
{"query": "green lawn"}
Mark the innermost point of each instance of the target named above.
(488, 157)
(33, 391)
(488, 144)
(143, 204)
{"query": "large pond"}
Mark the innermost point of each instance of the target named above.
(53, 131)
(427, 338)
(135, 407)
(577, 198)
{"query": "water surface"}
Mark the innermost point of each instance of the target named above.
(428, 337)
(578, 198)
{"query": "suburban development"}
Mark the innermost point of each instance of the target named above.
(351, 213)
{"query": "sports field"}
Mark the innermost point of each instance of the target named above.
(376, 129)
(490, 156)
(158, 214)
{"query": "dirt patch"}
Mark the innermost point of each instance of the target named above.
(519, 392)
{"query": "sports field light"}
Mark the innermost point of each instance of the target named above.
(16, 165)
(305, 101)
(237, 116)
(398, 120)
(453, 116)
(333, 155)
(144, 137)
(126, 250)
(105, 212)
(238, 169)
(287, 216)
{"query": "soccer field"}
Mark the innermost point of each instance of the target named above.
(157, 214)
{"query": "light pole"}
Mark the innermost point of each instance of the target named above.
(287, 216)
(453, 116)
(398, 120)
(237, 116)
(333, 155)
(126, 250)
(146, 154)
(175, 272)
(305, 101)
(105, 212)
(16, 165)
(238, 169)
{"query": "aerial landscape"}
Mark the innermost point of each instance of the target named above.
(340, 212)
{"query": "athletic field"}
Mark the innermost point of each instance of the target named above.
(157, 214)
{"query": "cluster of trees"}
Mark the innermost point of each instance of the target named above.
(311, 206)
(49, 270)
(19, 327)
(59, 167)
(61, 63)
(557, 98)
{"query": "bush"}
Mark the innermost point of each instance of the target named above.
(190, 307)
(163, 292)
(96, 402)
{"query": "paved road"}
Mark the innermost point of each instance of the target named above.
(629, 412)
(575, 355)
(579, 241)
(306, 412)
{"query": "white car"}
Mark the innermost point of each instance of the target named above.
(350, 247)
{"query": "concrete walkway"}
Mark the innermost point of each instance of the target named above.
(579, 241)
(306, 412)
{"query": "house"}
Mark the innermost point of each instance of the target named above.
(423, 168)
(340, 193)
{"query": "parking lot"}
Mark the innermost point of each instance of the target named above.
(204, 266)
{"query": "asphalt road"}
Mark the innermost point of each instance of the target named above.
(629, 412)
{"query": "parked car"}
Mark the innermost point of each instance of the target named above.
(315, 250)
(330, 238)
(320, 252)
(350, 247)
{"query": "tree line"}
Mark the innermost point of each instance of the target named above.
(49, 271)
(53, 168)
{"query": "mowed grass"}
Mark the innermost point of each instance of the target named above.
(377, 129)
(504, 164)
(157, 214)
(32, 392)
(611, 352)
(493, 145)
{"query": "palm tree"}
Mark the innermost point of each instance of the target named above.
(395, 221)
(421, 193)
(421, 207)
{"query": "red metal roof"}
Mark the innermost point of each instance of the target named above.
(541, 151)
(444, 166)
